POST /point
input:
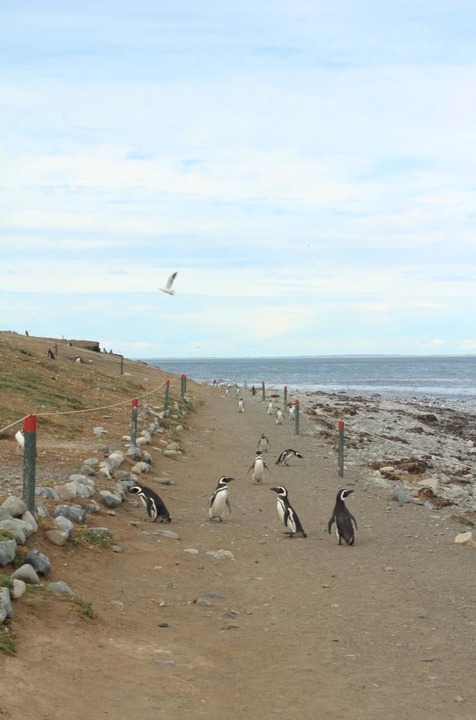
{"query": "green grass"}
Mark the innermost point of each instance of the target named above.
(85, 536)
(85, 606)
(7, 639)
(6, 582)
(6, 535)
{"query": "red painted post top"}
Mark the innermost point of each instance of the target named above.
(135, 402)
(297, 402)
(30, 423)
(167, 382)
(182, 376)
(56, 344)
(341, 424)
(285, 387)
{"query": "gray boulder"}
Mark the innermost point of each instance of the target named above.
(27, 573)
(19, 589)
(60, 587)
(57, 537)
(5, 604)
(87, 470)
(30, 520)
(39, 562)
(64, 524)
(14, 527)
(47, 493)
(400, 496)
(8, 550)
(111, 501)
(40, 509)
(74, 513)
(15, 506)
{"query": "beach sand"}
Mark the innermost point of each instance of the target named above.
(305, 628)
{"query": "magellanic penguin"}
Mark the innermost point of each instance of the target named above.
(241, 406)
(279, 417)
(216, 505)
(343, 519)
(270, 409)
(20, 438)
(286, 454)
(263, 443)
(287, 513)
(291, 412)
(154, 505)
(259, 466)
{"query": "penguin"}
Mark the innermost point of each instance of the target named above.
(227, 392)
(259, 466)
(279, 417)
(291, 412)
(241, 406)
(343, 519)
(287, 513)
(154, 505)
(20, 438)
(270, 409)
(286, 455)
(263, 443)
(237, 392)
(217, 502)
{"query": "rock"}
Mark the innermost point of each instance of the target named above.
(41, 510)
(192, 551)
(61, 587)
(4, 514)
(13, 527)
(401, 496)
(432, 483)
(465, 538)
(147, 457)
(39, 562)
(8, 550)
(179, 428)
(78, 490)
(221, 554)
(63, 493)
(388, 469)
(100, 432)
(5, 602)
(455, 491)
(87, 470)
(27, 573)
(78, 478)
(202, 601)
(57, 537)
(111, 501)
(173, 446)
(167, 533)
(123, 476)
(116, 548)
(19, 588)
(91, 507)
(15, 506)
(214, 595)
(91, 462)
(47, 492)
(30, 520)
(170, 454)
(164, 481)
(75, 513)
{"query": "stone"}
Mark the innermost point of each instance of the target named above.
(167, 533)
(400, 496)
(27, 573)
(4, 514)
(91, 507)
(13, 526)
(15, 506)
(47, 492)
(41, 509)
(202, 601)
(116, 548)
(30, 520)
(432, 483)
(78, 478)
(5, 602)
(170, 454)
(221, 554)
(63, 493)
(92, 462)
(192, 551)
(100, 530)
(61, 587)
(39, 562)
(87, 470)
(123, 476)
(216, 596)
(19, 588)
(111, 501)
(465, 538)
(8, 550)
(164, 481)
(57, 537)
(179, 428)
(77, 490)
(75, 513)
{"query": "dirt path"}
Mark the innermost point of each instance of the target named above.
(306, 628)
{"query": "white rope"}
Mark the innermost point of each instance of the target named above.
(87, 410)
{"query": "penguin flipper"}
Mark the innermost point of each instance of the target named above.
(330, 524)
(354, 521)
(250, 469)
(227, 501)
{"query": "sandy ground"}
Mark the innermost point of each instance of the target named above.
(306, 628)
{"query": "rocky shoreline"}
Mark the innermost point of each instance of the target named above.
(422, 449)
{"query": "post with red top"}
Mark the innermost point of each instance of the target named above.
(166, 399)
(56, 348)
(264, 390)
(285, 401)
(182, 385)
(340, 460)
(135, 403)
(122, 364)
(29, 463)
(296, 417)
(185, 384)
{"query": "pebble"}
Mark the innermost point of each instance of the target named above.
(164, 481)
(19, 588)
(192, 551)
(163, 625)
(221, 554)
(168, 533)
(57, 537)
(202, 601)
(116, 548)
(119, 603)
(217, 596)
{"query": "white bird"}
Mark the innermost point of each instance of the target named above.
(168, 288)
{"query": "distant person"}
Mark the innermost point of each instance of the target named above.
(27, 333)
(50, 354)
(253, 391)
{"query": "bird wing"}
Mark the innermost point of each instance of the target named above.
(330, 524)
(170, 281)
(228, 503)
(354, 521)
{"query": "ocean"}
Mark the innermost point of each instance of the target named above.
(452, 378)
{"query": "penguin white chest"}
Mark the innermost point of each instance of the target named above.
(258, 471)
(217, 507)
(281, 509)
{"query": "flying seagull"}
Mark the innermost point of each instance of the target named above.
(168, 288)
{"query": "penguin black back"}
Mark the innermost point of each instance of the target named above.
(154, 504)
(286, 454)
(343, 519)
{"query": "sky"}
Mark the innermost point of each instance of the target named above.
(307, 167)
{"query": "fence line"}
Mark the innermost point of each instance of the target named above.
(87, 410)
